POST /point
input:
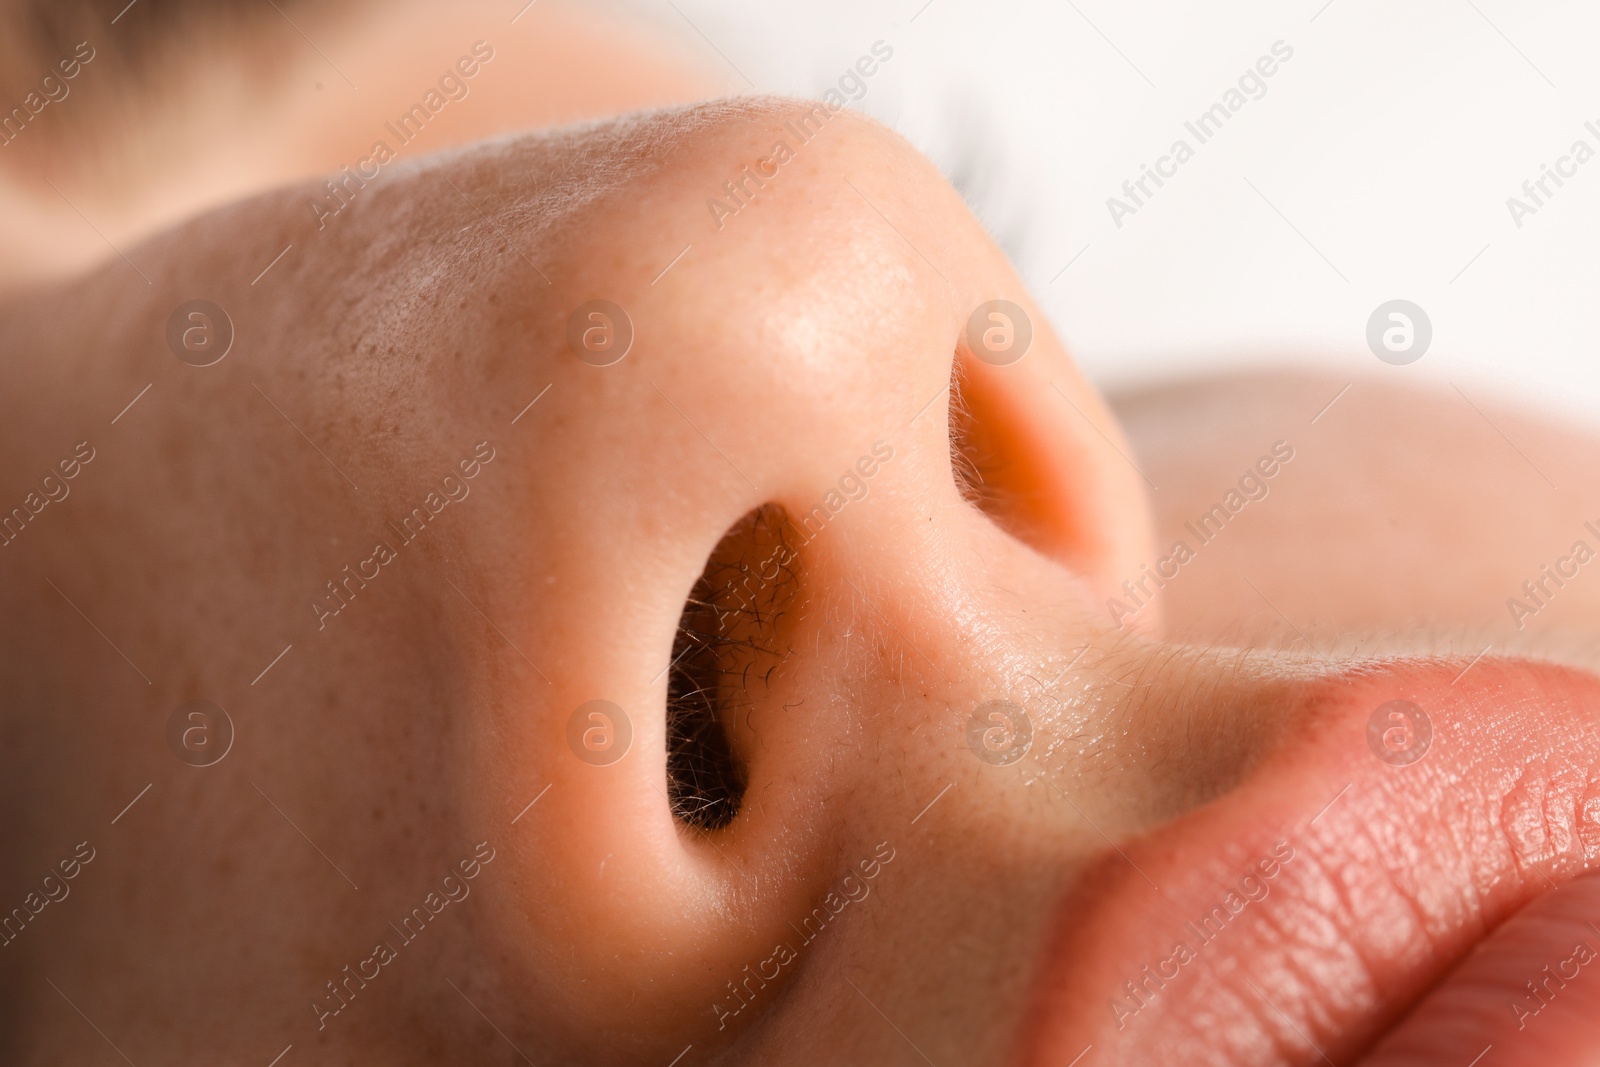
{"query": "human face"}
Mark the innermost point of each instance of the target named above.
(417, 519)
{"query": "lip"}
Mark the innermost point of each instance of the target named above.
(1394, 872)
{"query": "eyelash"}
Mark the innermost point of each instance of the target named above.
(728, 641)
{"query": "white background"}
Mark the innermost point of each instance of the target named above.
(1390, 141)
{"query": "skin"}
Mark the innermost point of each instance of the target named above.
(410, 731)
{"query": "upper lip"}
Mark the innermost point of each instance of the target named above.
(1396, 872)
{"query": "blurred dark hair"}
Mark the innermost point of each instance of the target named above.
(146, 54)
(36, 32)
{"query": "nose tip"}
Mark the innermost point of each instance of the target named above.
(818, 383)
(788, 684)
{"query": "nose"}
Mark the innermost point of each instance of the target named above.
(810, 529)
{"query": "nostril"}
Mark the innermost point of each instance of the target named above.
(729, 641)
(1035, 450)
(989, 463)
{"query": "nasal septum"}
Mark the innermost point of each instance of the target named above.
(1529, 994)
